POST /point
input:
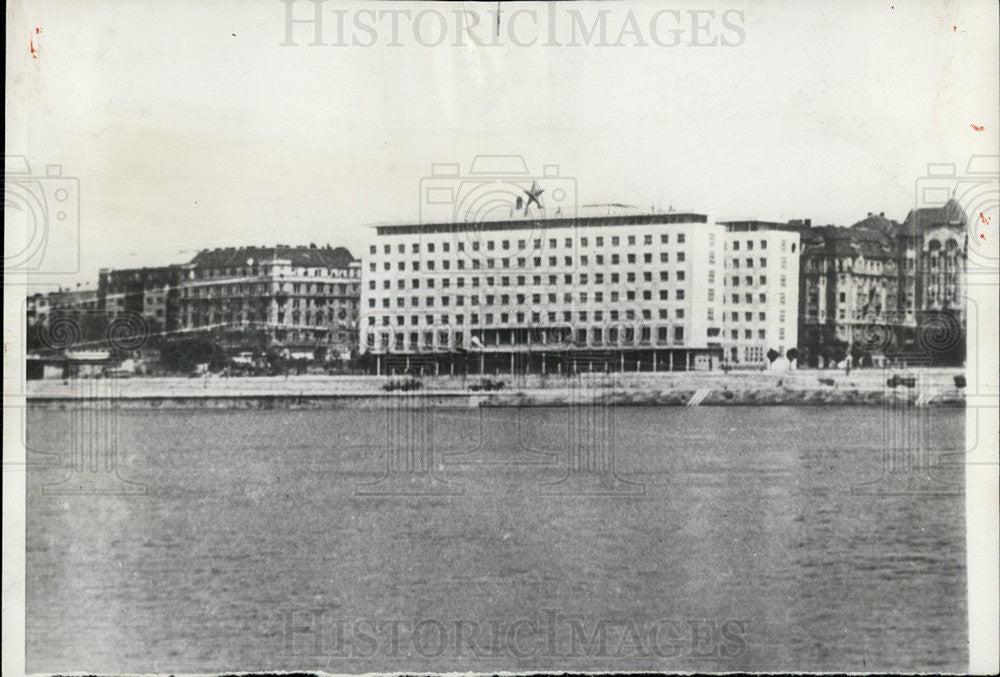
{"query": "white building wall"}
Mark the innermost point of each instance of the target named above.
(649, 282)
(763, 264)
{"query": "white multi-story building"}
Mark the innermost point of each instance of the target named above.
(761, 291)
(639, 292)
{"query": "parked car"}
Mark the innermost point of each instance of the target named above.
(404, 385)
(488, 384)
(896, 380)
(243, 359)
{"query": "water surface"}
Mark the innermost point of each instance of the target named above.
(732, 541)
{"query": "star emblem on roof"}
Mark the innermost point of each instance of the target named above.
(534, 194)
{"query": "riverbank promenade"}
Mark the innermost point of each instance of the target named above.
(869, 386)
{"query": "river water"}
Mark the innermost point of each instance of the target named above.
(736, 538)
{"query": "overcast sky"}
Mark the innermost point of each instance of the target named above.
(189, 125)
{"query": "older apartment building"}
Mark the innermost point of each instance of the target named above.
(149, 292)
(638, 292)
(886, 291)
(851, 283)
(298, 298)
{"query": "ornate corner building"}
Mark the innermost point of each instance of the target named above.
(299, 298)
(883, 292)
(250, 298)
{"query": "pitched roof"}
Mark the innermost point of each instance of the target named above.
(877, 223)
(303, 257)
(840, 242)
(950, 215)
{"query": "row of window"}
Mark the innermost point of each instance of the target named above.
(947, 263)
(823, 265)
(747, 281)
(749, 316)
(202, 304)
(595, 336)
(536, 280)
(209, 273)
(535, 317)
(734, 281)
(748, 334)
(311, 335)
(207, 319)
(265, 289)
(566, 297)
(581, 315)
(117, 277)
(522, 245)
(536, 299)
(814, 314)
(522, 262)
(747, 298)
(567, 278)
(748, 245)
(761, 262)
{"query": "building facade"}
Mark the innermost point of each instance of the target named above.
(149, 292)
(637, 292)
(251, 298)
(37, 309)
(849, 283)
(884, 292)
(63, 319)
(939, 243)
(761, 292)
